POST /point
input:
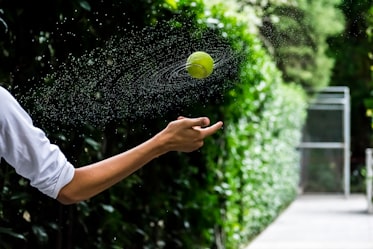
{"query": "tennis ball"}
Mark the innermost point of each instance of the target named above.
(200, 65)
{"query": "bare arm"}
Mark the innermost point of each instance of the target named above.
(183, 135)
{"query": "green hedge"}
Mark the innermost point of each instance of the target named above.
(256, 162)
(261, 163)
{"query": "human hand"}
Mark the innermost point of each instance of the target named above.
(187, 134)
(183, 134)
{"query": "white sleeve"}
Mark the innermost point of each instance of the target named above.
(29, 151)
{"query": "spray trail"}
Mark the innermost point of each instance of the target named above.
(135, 76)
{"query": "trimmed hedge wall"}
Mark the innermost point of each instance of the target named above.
(256, 162)
(255, 165)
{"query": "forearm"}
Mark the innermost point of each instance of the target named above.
(184, 135)
(91, 180)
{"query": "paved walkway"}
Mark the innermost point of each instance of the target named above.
(320, 222)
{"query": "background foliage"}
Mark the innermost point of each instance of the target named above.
(218, 197)
(303, 56)
(352, 51)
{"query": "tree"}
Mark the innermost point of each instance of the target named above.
(296, 33)
(352, 68)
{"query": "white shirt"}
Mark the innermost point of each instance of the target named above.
(29, 151)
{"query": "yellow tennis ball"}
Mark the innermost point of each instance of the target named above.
(200, 65)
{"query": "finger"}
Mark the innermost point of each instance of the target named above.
(208, 131)
(195, 122)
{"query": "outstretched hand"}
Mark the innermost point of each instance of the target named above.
(183, 134)
(188, 134)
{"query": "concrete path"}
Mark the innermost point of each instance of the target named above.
(320, 222)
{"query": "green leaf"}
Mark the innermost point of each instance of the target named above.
(40, 233)
(9, 231)
(85, 5)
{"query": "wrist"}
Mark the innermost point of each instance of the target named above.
(161, 146)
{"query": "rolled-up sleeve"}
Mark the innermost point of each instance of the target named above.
(29, 151)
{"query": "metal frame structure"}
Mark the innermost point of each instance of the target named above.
(335, 98)
(369, 178)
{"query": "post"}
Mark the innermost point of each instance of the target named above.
(346, 140)
(369, 179)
